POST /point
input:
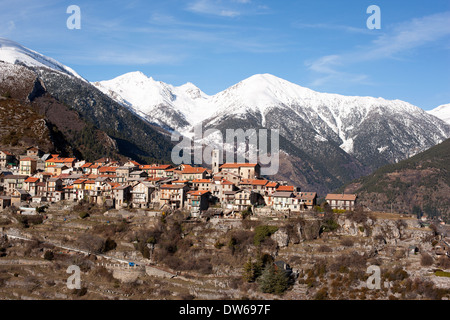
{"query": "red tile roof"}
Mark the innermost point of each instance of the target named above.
(285, 188)
(198, 192)
(257, 182)
(193, 170)
(272, 184)
(201, 181)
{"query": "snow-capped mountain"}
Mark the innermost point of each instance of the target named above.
(332, 116)
(442, 112)
(14, 53)
(340, 136)
(173, 108)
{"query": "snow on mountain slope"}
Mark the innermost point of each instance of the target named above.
(442, 112)
(156, 100)
(14, 53)
(393, 128)
(343, 115)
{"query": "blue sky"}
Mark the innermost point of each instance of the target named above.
(323, 45)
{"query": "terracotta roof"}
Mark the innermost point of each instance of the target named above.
(107, 169)
(7, 153)
(180, 181)
(348, 197)
(86, 165)
(32, 179)
(259, 182)
(133, 162)
(201, 181)
(193, 170)
(224, 181)
(285, 188)
(272, 184)
(198, 192)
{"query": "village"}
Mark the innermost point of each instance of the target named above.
(35, 179)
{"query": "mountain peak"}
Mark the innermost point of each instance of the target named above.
(442, 112)
(14, 53)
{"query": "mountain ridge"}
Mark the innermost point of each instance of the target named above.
(360, 134)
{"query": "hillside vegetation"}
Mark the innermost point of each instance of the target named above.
(419, 185)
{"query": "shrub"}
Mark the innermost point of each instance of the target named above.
(25, 221)
(397, 274)
(84, 215)
(347, 242)
(426, 260)
(48, 255)
(262, 232)
(329, 223)
(109, 245)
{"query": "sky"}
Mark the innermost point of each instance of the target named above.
(323, 45)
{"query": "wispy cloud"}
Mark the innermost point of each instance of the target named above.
(212, 7)
(397, 40)
(226, 8)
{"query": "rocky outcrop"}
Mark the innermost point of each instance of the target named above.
(388, 230)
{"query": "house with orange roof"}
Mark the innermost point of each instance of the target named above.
(132, 164)
(193, 173)
(102, 161)
(243, 170)
(108, 171)
(271, 187)
(30, 185)
(85, 167)
(197, 201)
(173, 195)
(156, 170)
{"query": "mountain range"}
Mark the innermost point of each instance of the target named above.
(326, 139)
